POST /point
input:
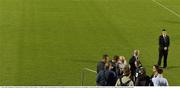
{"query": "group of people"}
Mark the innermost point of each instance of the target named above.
(119, 72)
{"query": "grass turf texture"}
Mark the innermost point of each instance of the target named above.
(49, 42)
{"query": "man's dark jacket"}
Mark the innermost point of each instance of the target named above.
(164, 42)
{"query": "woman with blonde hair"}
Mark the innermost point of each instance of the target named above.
(125, 79)
(123, 59)
(121, 63)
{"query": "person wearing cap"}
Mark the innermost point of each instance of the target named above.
(164, 42)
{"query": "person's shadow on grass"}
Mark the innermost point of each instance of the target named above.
(173, 67)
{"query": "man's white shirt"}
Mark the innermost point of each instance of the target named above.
(160, 81)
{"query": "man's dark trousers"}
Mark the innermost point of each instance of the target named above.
(164, 42)
(163, 53)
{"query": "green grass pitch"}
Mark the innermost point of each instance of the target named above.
(49, 42)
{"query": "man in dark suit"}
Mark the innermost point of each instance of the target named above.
(164, 42)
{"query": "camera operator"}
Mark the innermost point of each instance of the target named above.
(142, 79)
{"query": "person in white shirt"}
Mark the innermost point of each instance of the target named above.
(159, 80)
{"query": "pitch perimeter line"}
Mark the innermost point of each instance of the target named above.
(163, 6)
(90, 70)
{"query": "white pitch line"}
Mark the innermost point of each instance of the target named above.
(173, 12)
(90, 70)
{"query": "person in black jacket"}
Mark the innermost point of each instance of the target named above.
(132, 61)
(164, 42)
(101, 64)
(113, 62)
(106, 77)
(101, 79)
(111, 77)
(138, 68)
(143, 79)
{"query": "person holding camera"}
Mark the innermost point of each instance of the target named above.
(143, 79)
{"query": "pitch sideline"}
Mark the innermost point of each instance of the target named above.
(163, 6)
(90, 70)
